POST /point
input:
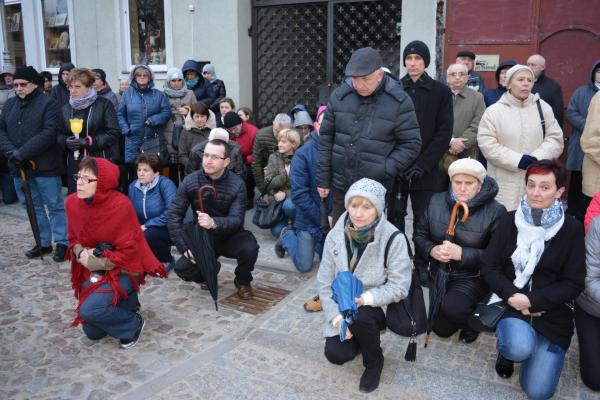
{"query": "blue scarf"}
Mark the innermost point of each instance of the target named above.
(544, 217)
(191, 83)
(84, 101)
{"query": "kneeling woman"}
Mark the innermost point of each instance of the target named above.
(536, 263)
(468, 183)
(357, 243)
(108, 253)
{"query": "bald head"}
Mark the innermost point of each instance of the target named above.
(537, 63)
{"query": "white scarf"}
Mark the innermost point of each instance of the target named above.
(530, 247)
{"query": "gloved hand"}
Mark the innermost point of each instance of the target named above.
(413, 173)
(148, 122)
(75, 143)
(526, 161)
(14, 161)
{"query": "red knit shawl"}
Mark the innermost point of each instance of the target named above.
(108, 217)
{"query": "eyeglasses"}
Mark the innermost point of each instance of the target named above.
(21, 84)
(213, 157)
(457, 74)
(84, 179)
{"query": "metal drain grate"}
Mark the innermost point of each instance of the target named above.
(265, 297)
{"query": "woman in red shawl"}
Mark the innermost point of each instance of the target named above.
(109, 255)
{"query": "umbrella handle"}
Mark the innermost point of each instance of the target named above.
(452, 226)
(201, 193)
(22, 172)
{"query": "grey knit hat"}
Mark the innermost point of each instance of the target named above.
(370, 190)
(174, 73)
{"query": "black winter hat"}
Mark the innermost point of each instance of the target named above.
(416, 47)
(363, 62)
(29, 74)
(231, 119)
(101, 73)
(466, 53)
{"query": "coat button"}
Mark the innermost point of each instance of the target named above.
(335, 252)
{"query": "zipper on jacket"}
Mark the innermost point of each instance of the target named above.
(144, 204)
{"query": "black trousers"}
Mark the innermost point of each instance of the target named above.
(577, 202)
(462, 296)
(243, 247)
(249, 185)
(588, 335)
(160, 243)
(366, 339)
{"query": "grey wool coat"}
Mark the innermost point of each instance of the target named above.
(370, 269)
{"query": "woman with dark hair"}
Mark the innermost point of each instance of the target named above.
(108, 253)
(225, 105)
(47, 81)
(246, 115)
(535, 263)
(98, 132)
(490, 96)
(196, 132)
(151, 195)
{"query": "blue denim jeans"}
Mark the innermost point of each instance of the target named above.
(301, 247)
(46, 194)
(102, 318)
(289, 210)
(541, 361)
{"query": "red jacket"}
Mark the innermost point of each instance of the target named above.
(246, 140)
(108, 217)
(592, 212)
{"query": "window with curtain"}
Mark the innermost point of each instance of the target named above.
(57, 45)
(147, 32)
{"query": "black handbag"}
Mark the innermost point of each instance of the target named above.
(267, 215)
(408, 317)
(154, 145)
(486, 316)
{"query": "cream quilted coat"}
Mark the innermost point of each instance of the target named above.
(590, 144)
(509, 129)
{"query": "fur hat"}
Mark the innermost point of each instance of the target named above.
(513, 70)
(417, 47)
(370, 190)
(467, 166)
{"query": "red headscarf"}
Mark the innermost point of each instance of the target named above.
(108, 217)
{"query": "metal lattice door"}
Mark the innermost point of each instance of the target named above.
(300, 49)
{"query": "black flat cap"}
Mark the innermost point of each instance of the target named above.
(363, 62)
(466, 53)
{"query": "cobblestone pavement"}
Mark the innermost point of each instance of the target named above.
(190, 351)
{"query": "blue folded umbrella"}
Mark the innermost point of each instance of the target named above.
(346, 287)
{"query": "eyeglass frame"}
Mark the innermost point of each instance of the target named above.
(213, 157)
(457, 74)
(84, 179)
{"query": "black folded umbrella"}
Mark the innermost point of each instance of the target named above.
(24, 174)
(324, 217)
(201, 244)
(437, 291)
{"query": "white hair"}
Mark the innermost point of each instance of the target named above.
(282, 119)
(460, 65)
(219, 133)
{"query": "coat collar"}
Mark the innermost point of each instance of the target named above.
(424, 81)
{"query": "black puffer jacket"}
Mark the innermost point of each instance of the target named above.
(228, 210)
(31, 125)
(433, 105)
(551, 92)
(473, 236)
(375, 137)
(100, 123)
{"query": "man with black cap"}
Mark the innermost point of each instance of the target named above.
(476, 81)
(243, 133)
(29, 124)
(103, 88)
(370, 130)
(433, 105)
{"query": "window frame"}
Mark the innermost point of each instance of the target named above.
(126, 38)
(39, 10)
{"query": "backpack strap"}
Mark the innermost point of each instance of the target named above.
(389, 244)
(539, 107)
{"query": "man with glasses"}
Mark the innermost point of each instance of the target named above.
(223, 215)
(29, 124)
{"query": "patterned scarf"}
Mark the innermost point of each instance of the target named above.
(84, 101)
(357, 240)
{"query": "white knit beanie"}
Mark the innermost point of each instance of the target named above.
(370, 190)
(467, 166)
(516, 68)
(219, 133)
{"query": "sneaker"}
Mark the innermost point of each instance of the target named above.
(279, 250)
(35, 251)
(59, 253)
(468, 336)
(369, 381)
(313, 305)
(128, 343)
(504, 367)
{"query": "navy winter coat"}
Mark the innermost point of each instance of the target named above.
(303, 175)
(577, 112)
(204, 91)
(152, 201)
(135, 108)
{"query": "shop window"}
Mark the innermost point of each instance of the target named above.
(14, 33)
(55, 14)
(147, 32)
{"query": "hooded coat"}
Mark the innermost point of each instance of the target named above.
(60, 92)
(491, 96)
(6, 92)
(138, 106)
(108, 217)
(205, 93)
(510, 129)
(577, 112)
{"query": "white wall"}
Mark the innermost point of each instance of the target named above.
(419, 23)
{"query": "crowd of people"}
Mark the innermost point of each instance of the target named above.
(139, 165)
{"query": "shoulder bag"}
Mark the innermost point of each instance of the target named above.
(267, 215)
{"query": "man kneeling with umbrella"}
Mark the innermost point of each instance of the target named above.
(222, 216)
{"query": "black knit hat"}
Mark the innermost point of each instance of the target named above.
(231, 119)
(416, 47)
(29, 74)
(363, 62)
(466, 53)
(100, 73)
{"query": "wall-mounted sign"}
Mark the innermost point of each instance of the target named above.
(487, 62)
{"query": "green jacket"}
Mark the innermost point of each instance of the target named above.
(280, 180)
(264, 145)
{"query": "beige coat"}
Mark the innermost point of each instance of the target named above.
(590, 144)
(175, 103)
(509, 129)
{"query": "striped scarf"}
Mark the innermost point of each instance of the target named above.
(357, 240)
